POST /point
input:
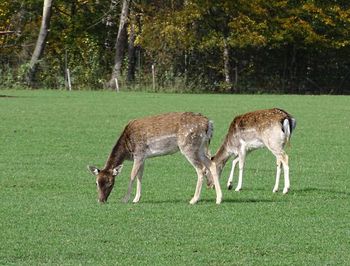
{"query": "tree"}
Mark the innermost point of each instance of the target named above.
(120, 44)
(131, 50)
(232, 46)
(41, 42)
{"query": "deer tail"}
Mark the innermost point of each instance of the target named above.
(210, 130)
(288, 127)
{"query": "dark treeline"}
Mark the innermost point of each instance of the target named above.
(243, 46)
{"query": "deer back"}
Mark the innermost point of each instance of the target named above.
(258, 128)
(162, 134)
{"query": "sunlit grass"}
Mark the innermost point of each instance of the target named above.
(48, 208)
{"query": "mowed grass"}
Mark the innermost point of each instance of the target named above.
(48, 208)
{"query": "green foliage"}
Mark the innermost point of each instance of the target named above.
(272, 45)
(49, 213)
(77, 30)
(282, 32)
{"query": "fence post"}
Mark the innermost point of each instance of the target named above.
(153, 77)
(68, 80)
(116, 84)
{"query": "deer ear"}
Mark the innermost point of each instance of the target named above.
(93, 170)
(117, 170)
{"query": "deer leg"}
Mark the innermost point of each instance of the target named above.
(241, 160)
(286, 173)
(206, 164)
(212, 168)
(278, 175)
(194, 158)
(230, 179)
(138, 187)
(198, 190)
(134, 173)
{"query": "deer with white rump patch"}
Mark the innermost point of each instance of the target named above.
(270, 128)
(156, 136)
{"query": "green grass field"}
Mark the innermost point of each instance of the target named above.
(48, 202)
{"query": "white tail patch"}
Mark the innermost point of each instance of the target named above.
(286, 128)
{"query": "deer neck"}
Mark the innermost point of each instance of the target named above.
(118, 155)
(221, 157)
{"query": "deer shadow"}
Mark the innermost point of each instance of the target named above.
(8, 96)
(209, 201)
(302, 191)
(321, 190)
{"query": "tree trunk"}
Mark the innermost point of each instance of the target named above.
(131, 54)
(120, 44)
(41, 41)
(227, 66)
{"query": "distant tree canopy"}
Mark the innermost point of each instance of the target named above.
(254, 46)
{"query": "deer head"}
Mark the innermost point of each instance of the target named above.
(105, 180)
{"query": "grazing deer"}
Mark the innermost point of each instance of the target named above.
(270, 128)
(156, 136)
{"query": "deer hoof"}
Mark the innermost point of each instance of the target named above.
(193, 201)
(125, 200)
(135, 200)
